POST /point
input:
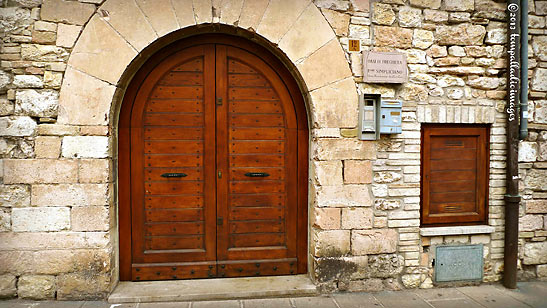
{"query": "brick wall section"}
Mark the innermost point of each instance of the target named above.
(57, 203)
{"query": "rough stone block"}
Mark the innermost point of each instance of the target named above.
(17, 126)
(89, 218)
(94, 170)
(530, 222)
(40, 219)
(101, 52)
(383, 14)
(15, 195)
(331, 243)
(5, 219)
(36, 287)
(30, 171)
(338, 21)
(46, 53)
(71, 12)
(357, 218)
(328, 173)
(384, 266)
(539, 80)
(364, 242)
(392, 36)
(528, 151)
(335, 105)
(8, 286)
(327, 218)
(344, 196)
(85, 146)
(47, 147)
(82, 286)
(462, 34)
(27, 81)
(535, 253)
(345, 148)
(536, 206)
(53, 240)
(459, 5)
(426, 4)
(410, 17)
(70, 195)
(67, 35)
(422, 38)
(357, 172)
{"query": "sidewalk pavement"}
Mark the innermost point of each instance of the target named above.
(528, 294)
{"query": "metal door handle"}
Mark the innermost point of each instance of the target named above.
(174, 175)
(257, 174)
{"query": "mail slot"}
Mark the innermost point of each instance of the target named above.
(390, 116)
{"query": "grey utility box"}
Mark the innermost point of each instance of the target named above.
(459, 263)
(369, 116)
(391, 117)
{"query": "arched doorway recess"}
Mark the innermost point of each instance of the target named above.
(213, 164)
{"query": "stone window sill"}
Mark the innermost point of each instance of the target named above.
(459, 230)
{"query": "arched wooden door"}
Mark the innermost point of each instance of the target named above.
(213, 144)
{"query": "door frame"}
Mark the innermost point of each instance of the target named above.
(124, 141)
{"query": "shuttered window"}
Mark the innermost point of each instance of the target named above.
(455, 164)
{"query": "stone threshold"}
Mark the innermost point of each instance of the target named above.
(212, 289)
(459, 230)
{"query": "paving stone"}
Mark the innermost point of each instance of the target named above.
(356, 300)
(103, 304)
(58, 304)
(531, 293)
(314, 302)
(401, 299)
(490, 296)
(454, 303)
(440, 294)
(162, 305)
(16, 304)
(215, 304)
(267, 303)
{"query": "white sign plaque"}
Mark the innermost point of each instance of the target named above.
(384, 67)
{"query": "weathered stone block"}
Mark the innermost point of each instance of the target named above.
(53, 79)
(251, 14)
(328, 173)
(17, 126)
(15, 195)
(30, 171)
(536, 180)
(364, 242)
(47, 147)
(410, 17)
(338, 21)
(331, 243)
(56, 130)
(85, 146)
(70, 12)
(161, 15)
(8, 286)
(36, 287)
(53, 240)
(279, 17)
(335, 105)
(426, 4)
(67, 35)
(462, 34)
(540, 112)
(530, 222)
(27, 81)
(328, 269)
(459, 5)
(339, 5)
(383, 14)
(5, 219)
(422, 39)
(94, 170)
(37, 103)
(539, 80)
(384, 266)
(327, 218)
(48, 53)
(357, 218)
(342, 149)
(535, 253)
(357, 172)
(412, 281)
(344, 196)
(528, 151)
(40, 219)
(89, 218)
(536, 206)
(82, 286)
(392, 36)
(84, 100)
(70, 195)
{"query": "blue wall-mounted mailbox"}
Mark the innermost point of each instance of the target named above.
(390, 116)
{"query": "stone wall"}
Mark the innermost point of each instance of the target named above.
(58, 204)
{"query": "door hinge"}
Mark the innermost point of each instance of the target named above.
(220, 174)
(219, 101)
(220, 221)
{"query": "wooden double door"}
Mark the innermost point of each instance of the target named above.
(213, 168)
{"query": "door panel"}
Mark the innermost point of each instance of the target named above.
(213, 168)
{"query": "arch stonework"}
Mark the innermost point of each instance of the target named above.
(118, 38)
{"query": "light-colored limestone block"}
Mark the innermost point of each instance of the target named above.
(67, 35)
(53, 240)
(344, 196)
(327, 218)
(338, 21)
(70, 195)
(392, 36)
(82, 286)
(17, 126)
(539, 80)
(47, 147)
(357, 172)
(335, 105)
(536, 206)
(184, 11)
(462, 34)
(35, 52)
(27, 81)
(346, 148)
(89, 218)
(101, 52)
(328, 172)
(410, 17)
(330, 55)
(37, 103)
(426, 4)
(160, 15)
(203, 11)
(279, 17)
(8, 286)
(129, 21)
(422, 39)
(365, 242)
(230, 11)
(331, 243)
(15, 195)
(528, 151)
(31, 171)
(33, 219)
(310, 31)
(459, 5)
(56, 130)
(94, 170)
(71, 12)
(84, 100)
(36, 287)
(535, 253)
(357, 218)
(85, 147)
(382, 14)
(251, 14)
(530, 223)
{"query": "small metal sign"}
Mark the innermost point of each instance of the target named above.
(458, 263)
(384, 67)
(354, 45)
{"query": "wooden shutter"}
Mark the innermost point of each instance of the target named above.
(454, 175)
